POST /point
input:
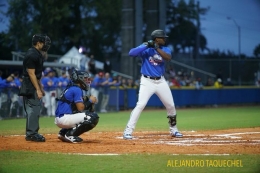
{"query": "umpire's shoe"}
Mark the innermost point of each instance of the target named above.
(35, 138)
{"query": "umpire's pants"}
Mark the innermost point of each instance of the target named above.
(32, 108)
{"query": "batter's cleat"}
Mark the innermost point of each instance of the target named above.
(35, 138)
(127, 136)
(73, 139)
(177, 134)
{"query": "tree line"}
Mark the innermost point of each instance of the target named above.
(96, 25)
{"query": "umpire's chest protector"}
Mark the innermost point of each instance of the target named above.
(33, 60)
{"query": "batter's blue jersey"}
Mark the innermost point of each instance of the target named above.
(72, 94)
(152, 63)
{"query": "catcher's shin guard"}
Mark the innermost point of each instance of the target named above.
(90, 121)
(172, 120)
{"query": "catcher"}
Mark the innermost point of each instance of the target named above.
(75, 112)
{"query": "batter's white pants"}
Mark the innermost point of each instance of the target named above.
(69, 120)
(148, 87)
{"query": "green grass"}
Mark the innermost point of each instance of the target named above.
(155, 120)
(36, 162)
(150, 120)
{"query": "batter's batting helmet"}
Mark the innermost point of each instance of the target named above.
(158, 33)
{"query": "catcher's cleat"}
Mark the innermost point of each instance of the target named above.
(127, 136)
(62, 138)
(73, 139)
(177, 134)
(35, 138)
(61, 135)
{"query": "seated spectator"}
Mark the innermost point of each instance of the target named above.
(209, 82)
(229, 82)
(172, 72)
(119, 79)
(175, 82)
(137, 81)
(198, 84)
(123, 84)
(130, 83)
(182, 81)
(188, 81)
(218, 83)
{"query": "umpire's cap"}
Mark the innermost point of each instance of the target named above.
(158, 33)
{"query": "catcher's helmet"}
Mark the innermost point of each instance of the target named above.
(44, 39)
(82, 78)
(158, 33)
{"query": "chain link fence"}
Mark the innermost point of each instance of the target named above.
(240, 72)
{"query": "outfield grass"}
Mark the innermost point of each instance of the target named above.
(153, 120)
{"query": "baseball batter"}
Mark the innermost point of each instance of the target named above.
(153, 54)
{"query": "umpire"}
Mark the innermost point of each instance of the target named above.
(31, 88)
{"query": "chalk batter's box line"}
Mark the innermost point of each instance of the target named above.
(202, 141)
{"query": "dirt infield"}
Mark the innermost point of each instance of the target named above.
(232, 141)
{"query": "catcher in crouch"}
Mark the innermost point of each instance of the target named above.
(75, 112)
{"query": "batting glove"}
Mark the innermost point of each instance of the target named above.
(150, 43)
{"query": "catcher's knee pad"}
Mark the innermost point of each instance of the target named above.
(90, 121)
(172, 120)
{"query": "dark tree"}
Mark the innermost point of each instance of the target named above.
(93, 24)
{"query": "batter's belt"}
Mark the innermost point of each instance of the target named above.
(153, 78)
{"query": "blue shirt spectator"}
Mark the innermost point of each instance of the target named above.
(63, 80)
(50, 82)
(97, 81)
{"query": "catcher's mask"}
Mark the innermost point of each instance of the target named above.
(82, 78)
(43, 39)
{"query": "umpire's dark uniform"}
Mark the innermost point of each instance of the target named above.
(32, 104)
